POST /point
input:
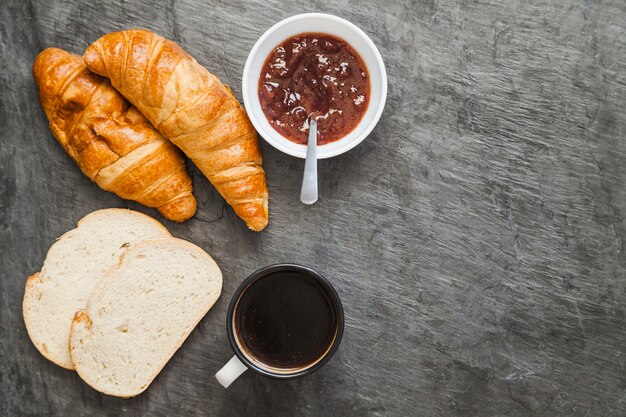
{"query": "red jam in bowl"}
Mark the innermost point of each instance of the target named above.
(318, 75)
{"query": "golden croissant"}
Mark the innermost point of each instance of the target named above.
(192, 108)
(112, 143)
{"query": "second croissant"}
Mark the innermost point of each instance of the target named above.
(192, 108)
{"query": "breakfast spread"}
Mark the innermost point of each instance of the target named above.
(314, 74)
(73, 267)
(193, 109)
(116, 298)
(112, 143)
(118, 295)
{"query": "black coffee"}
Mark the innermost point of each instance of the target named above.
(286, 320)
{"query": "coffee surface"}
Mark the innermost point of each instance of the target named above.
(286, 320)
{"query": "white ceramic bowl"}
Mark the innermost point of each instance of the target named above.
(321, 23)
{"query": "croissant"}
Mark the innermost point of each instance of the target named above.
(112, 143)
(193, 109)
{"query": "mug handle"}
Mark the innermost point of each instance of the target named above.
(230, 371)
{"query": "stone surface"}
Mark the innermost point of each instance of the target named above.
(477, 237)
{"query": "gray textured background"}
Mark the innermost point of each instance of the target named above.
(477, 237)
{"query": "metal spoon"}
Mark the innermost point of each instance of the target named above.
(308, 194)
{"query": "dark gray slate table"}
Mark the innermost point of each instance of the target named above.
(477, 238)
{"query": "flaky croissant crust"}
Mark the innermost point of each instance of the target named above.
(193, 109)
(112, 143)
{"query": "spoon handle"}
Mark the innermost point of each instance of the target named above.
(308, 194)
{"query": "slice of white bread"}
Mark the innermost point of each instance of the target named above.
(73, 266)
(140, 313)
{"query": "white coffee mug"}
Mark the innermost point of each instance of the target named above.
(330, 311)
